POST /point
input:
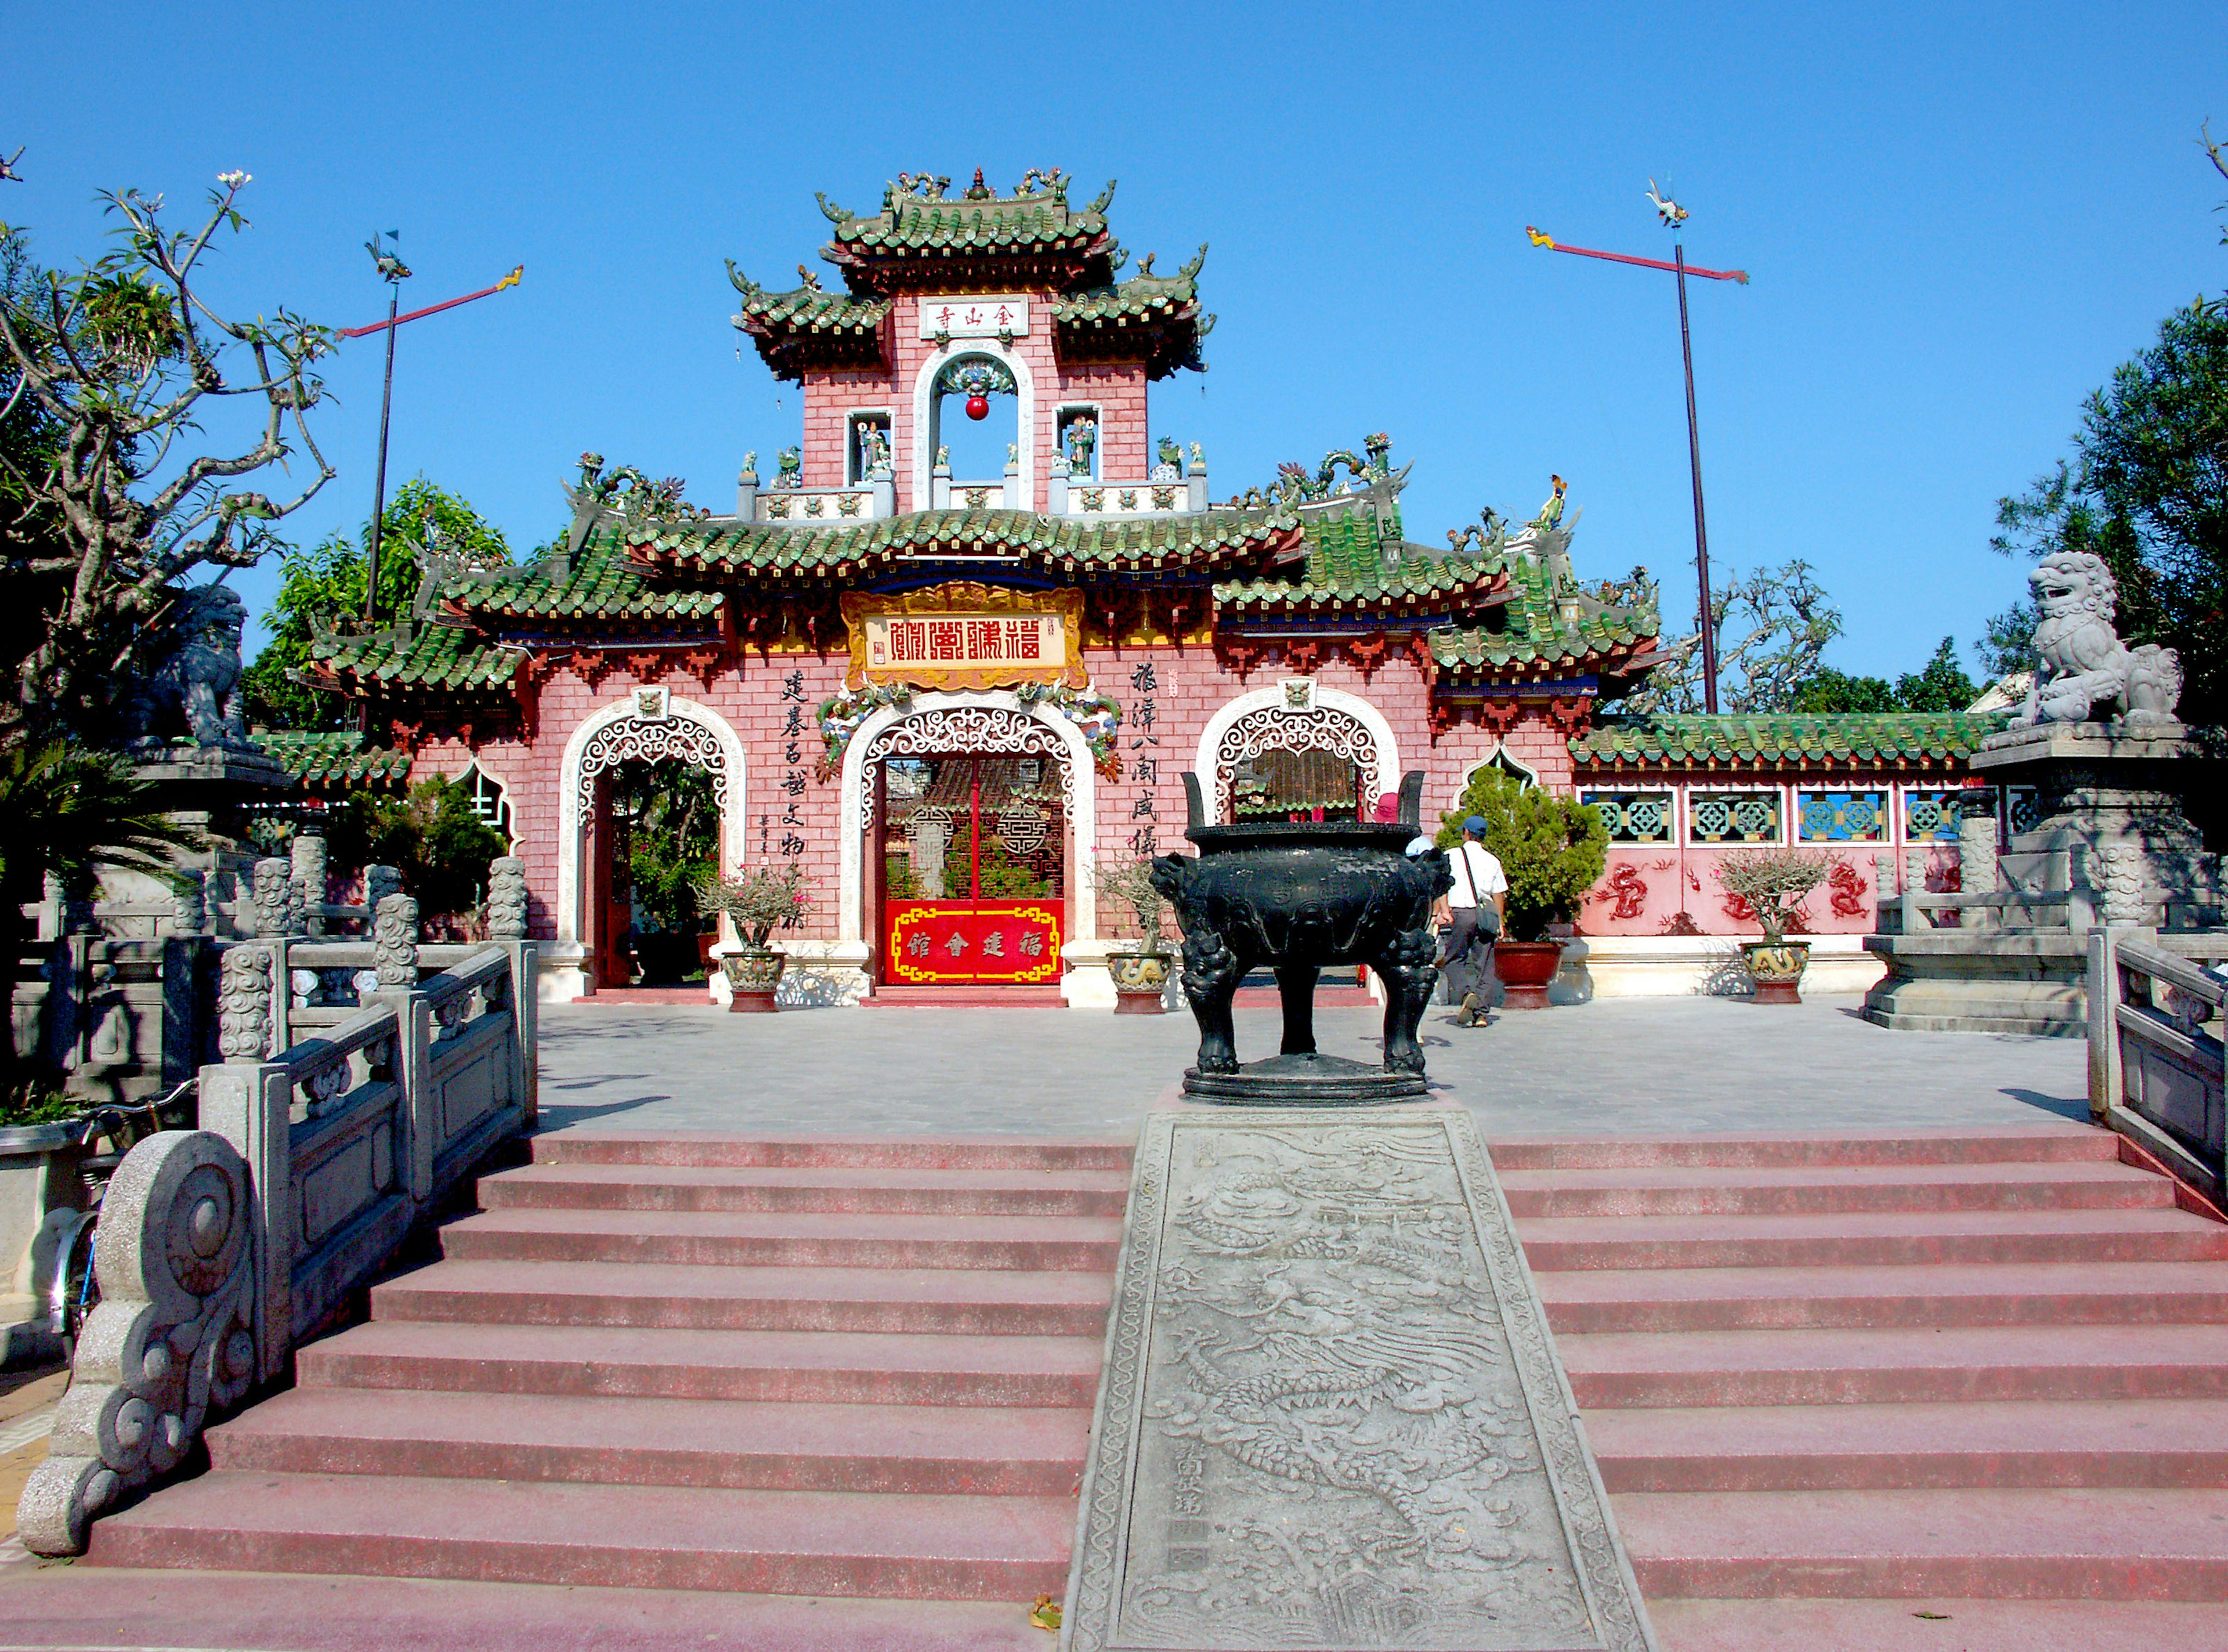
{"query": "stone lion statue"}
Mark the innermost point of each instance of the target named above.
(2082, 664)
(194, 689)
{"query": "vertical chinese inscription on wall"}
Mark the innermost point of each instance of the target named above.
(1145, 761)
(792, 758)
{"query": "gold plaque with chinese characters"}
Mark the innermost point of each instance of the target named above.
(965, 635)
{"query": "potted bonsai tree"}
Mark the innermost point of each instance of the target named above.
(757, 900)
(1139, 971)
(1553, 850)
(1774, 883)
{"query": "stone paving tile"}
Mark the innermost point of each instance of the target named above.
(1632, 1066)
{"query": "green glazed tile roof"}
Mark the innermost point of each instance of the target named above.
(1663, 740)
(807, 328)
(1550, 622)
(1346, 572)
(1154, 317)
(911, 229)
(1050, 543)
(445, 658)
(601, 584)
(331, 761)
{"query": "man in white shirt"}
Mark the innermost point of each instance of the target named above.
(1475, 908)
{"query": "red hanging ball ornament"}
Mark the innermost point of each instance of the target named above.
(978, 407)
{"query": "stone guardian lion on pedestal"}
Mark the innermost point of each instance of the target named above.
(2081, 663)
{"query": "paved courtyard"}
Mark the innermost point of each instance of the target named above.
(1641, 1066)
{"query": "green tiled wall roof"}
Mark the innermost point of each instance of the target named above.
(446, 658)
(1538, 633)
(1346, 571)
(328, 761)
(1784, 739)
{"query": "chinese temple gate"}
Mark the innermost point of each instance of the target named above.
(948, 691)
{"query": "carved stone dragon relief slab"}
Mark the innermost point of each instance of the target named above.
(1331, 1415)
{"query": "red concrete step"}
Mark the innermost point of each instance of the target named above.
(1949, 1626)
(822, 1366)
(653, 1537)
(718, 1149)
(1945, 1294)
(2044, 1143)
(2060, 1544)
(119, 1608)
(2180, 1444)
(1836, 1367)
(956, 1450)
(787, 1239)
(1038, 1192)
(950, 1301)
(1818, 1190)
(1887, 1238)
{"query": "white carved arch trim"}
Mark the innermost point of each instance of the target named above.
(648, 726)
(924, 398)
(1500, 757)
(1334, 721)
(938, 723)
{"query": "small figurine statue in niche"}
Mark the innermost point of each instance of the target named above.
(1082, 436)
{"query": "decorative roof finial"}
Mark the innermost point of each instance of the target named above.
(1669, 211)
(979, 190)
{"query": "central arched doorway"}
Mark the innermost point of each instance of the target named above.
(970, 823)
(968, 839)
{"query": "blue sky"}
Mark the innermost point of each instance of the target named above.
(1958, 219)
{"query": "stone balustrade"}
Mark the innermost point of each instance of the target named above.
(222, 1249)
(2155, 1055)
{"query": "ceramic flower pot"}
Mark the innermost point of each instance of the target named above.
(753, 976)
(1140, 978)
(1776, 968)
(1526, 968)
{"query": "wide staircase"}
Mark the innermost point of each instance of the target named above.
(1950, 1391)
(1941, 1390)
(799, 1368)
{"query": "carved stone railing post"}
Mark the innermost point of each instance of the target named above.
(189, 902)
(1977, 866)
(506, 899)
(248, 986)
(308, 857)
(172, 1339)
(273, 898)
(1884, 890)
(1914, 920)
(379, 883)
(394, 943)
(2117, 874)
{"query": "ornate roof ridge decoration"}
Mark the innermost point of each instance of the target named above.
(1784, 739)
(806, 328)
(1029, 540)
(922, 239)
(1551, 622)
(1152, 317)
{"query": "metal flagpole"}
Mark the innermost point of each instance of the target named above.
(1674, 216)
(1707, 624)
(379, 487)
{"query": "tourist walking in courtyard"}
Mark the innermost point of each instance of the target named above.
(1474, 908)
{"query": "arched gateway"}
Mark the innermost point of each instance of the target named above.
(967, 841)
(651, 725)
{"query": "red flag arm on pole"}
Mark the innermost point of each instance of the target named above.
(510, 280)
(1554, 246)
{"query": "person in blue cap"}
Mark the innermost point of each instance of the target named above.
(1475, 908)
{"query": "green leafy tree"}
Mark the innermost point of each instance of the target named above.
(1553, 848)
(322, 589)
(672, 817)
(2147, 489)
(432, 835)
(1830, 690)
(1940, 685)
(125, 373)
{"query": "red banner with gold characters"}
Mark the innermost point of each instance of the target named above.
(935, 942)
(965, 635)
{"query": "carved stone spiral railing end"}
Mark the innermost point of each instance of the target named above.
(171, 1342)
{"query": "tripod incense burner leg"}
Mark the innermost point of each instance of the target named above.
(1211, 974)
(1409, 973)
(1295, 985)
